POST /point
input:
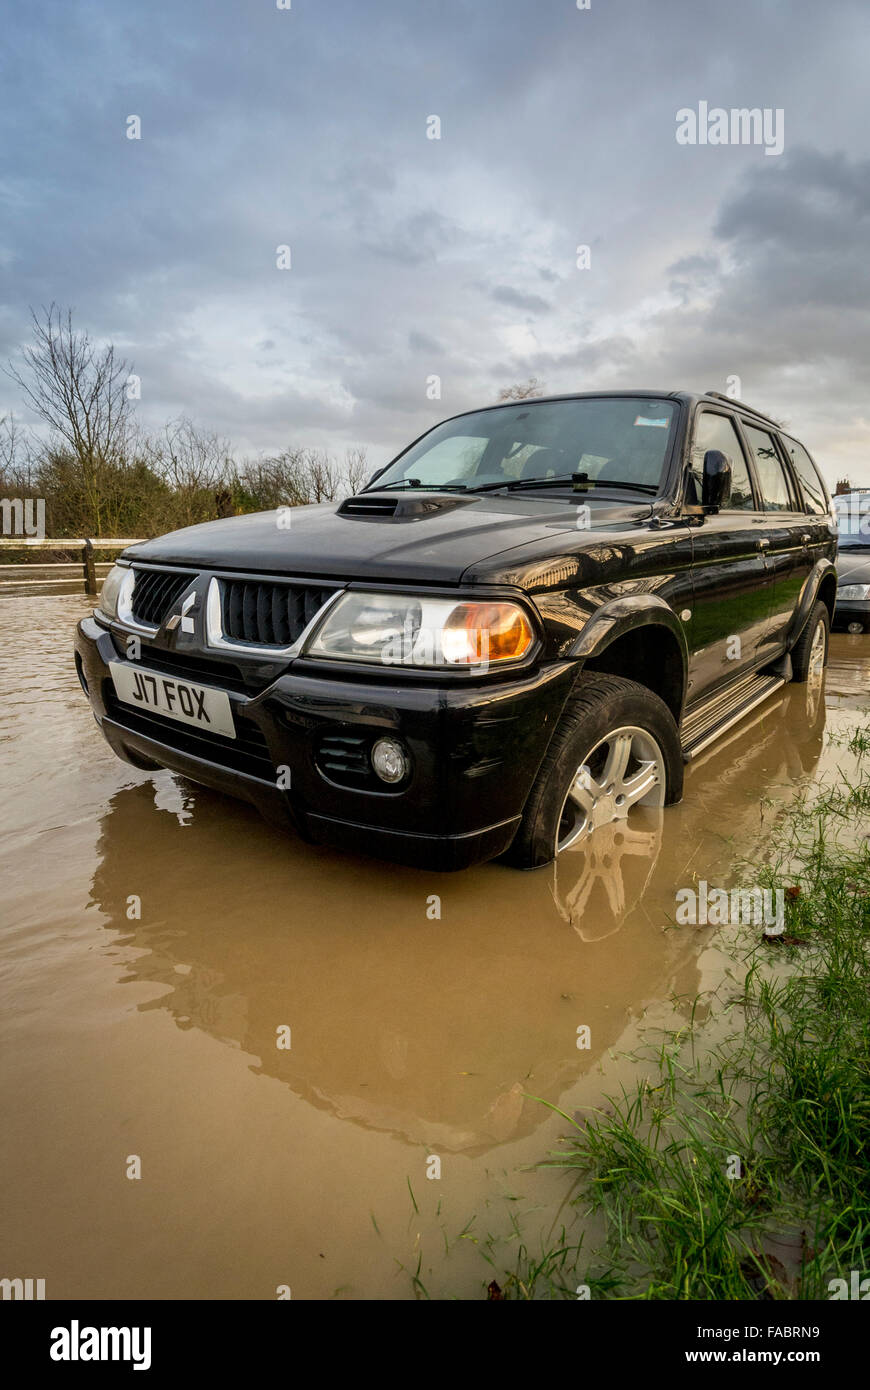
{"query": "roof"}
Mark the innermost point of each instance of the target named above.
(687, 397)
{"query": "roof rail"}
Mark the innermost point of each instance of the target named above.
(741, 405)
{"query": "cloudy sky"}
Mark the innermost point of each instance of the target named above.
(414, 257)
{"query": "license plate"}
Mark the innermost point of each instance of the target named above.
(201, 705)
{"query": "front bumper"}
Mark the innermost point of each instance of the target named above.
(475, 751)
(855, 610)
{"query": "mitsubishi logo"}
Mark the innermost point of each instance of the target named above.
(186, 623)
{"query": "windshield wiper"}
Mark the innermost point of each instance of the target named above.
(518, 484)
(416, 483)
(513, 485)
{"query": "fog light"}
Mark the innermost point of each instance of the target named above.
(389, 760)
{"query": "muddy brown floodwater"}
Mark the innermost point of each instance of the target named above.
(410, 1037)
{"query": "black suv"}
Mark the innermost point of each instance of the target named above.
(515, 634)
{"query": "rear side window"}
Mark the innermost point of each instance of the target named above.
(771, 474)
(717, 432)
(812, 486)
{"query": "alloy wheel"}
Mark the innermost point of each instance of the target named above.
(818, 649)
(626, 768)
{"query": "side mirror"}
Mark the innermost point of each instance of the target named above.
(716, 488)
(377, 473)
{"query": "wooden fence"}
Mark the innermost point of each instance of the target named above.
(85, 570)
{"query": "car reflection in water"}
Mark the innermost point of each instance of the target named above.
(434, 1030)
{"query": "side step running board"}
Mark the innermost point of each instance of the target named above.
(703, 725)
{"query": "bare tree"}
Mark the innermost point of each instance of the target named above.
(523, 391)
(356, 469)
(296, 476)
(102, 476)
(192, 458)
(80, 391)
(277, 480)
(196, 466)
(16, 456)
(325, 480)
(323, 475)
(76, 388)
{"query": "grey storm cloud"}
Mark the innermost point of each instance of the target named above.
(785, 301)
(515, 299)
(694, 266)
(455, 257)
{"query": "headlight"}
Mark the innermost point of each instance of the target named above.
(117, 584)
(405, 630)
(853, 591)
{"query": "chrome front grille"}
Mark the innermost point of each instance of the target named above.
(268, 613)
(155, 592)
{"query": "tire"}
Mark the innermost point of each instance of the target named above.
(805, 654)
(605, 715)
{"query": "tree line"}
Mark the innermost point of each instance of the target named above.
(101, 474)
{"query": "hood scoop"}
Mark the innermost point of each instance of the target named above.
(384, 506)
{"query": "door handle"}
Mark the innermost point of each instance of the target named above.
(763, 543)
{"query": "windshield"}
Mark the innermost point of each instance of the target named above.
(853, 520)
(610, 439)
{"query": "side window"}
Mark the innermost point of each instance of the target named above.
(811, 485)
(771, 475)
(717, 432)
